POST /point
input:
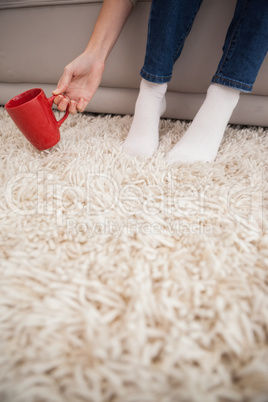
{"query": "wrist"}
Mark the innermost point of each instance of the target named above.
(97, 50)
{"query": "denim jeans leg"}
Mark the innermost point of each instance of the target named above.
(169, 24)
(245, 46)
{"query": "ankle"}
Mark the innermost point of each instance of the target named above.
(222, 93)
(157, 89)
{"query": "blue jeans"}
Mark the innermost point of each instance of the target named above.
(244, 49)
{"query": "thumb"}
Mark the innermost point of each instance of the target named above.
(64, 82)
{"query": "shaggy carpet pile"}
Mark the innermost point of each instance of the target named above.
(128, 280)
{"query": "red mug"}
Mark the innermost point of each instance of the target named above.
(32, 113)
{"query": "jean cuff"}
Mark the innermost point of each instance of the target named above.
(240, 86)
(154, 78)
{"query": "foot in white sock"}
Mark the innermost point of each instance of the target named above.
(143, 137)
(202, 140)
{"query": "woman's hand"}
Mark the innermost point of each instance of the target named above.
(79, 82)
(81, 78)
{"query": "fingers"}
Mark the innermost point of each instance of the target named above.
(82, 104)
(64, 81)
(62, 102)
(62, 106)
(77, 106)
(72, 107)
(58, 99)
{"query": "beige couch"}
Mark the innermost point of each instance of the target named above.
(39, 37)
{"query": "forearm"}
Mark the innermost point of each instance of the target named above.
(82, 76)
(110, 22)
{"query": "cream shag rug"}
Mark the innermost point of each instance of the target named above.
(125, 280)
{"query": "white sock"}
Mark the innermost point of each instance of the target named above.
(202, 140)
(143, 136)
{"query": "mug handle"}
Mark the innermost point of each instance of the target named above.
(50, 101)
